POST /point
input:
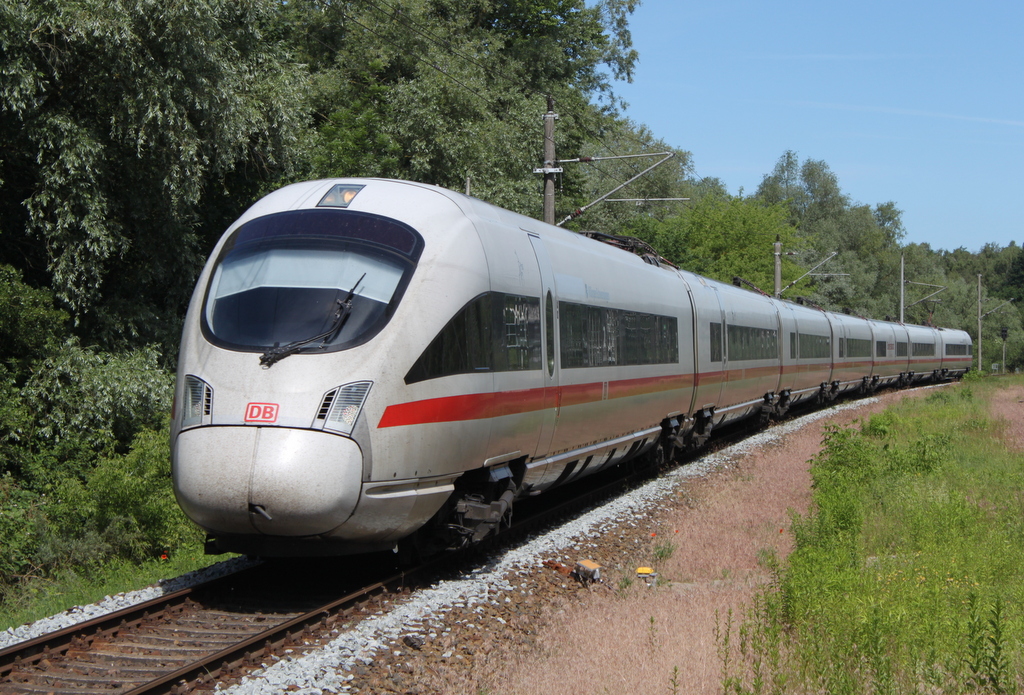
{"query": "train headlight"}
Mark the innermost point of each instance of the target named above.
(340, 408)
(198, 402)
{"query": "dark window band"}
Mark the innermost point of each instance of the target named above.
(749, 343)
(599, 337)
(495, 332)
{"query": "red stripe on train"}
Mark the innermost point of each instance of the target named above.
(481, 406)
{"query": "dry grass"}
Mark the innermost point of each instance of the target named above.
(638, 639)
(1006, 404)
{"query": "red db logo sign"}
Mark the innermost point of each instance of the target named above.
(261, 412)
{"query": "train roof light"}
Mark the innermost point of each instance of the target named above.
(340, 196)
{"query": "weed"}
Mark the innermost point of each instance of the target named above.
(723, 646)
(673, 681)
(663, 551)
(985, 657)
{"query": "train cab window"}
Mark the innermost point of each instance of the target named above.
(494, 332)
(879, 348)
(333, 275)
(715, 334)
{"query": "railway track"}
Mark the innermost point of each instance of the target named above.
(195, 636)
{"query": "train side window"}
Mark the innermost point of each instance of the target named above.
(814, 346)
(521, 321)
(924, 349)
(751, 343)
(594, 336)
(842, 347)
(858, 347)
(716, 342)
(792, 345)
(901, 349)
(494, 332)
(879, 348)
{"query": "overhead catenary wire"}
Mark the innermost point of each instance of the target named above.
(579, 211)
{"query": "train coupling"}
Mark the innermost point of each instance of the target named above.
(479, 518)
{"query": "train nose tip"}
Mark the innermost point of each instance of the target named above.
(277, 481)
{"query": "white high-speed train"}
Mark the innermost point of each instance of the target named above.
(366, 359)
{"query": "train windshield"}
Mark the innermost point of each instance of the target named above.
(284, 279)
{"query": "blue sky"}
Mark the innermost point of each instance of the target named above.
(921, 103)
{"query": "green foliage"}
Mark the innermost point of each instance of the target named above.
(722, 236)
(121, 121)
(29, 323)
(21, 523)
(442, 92)
(98, 399)
(125, 507)
(901, 580)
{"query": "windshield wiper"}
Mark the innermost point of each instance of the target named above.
(342, 310)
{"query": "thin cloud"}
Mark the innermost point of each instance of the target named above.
(908, 112)
(839, 57)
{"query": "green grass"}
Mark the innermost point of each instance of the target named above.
(38, 598)
(908, 575)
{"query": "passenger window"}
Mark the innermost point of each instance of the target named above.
(716, 342)
(494, 332)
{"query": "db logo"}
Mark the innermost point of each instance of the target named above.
(261, 412)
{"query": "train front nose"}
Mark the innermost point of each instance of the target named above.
(270, 480)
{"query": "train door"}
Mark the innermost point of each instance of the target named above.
(708, 346)
(549, 327)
